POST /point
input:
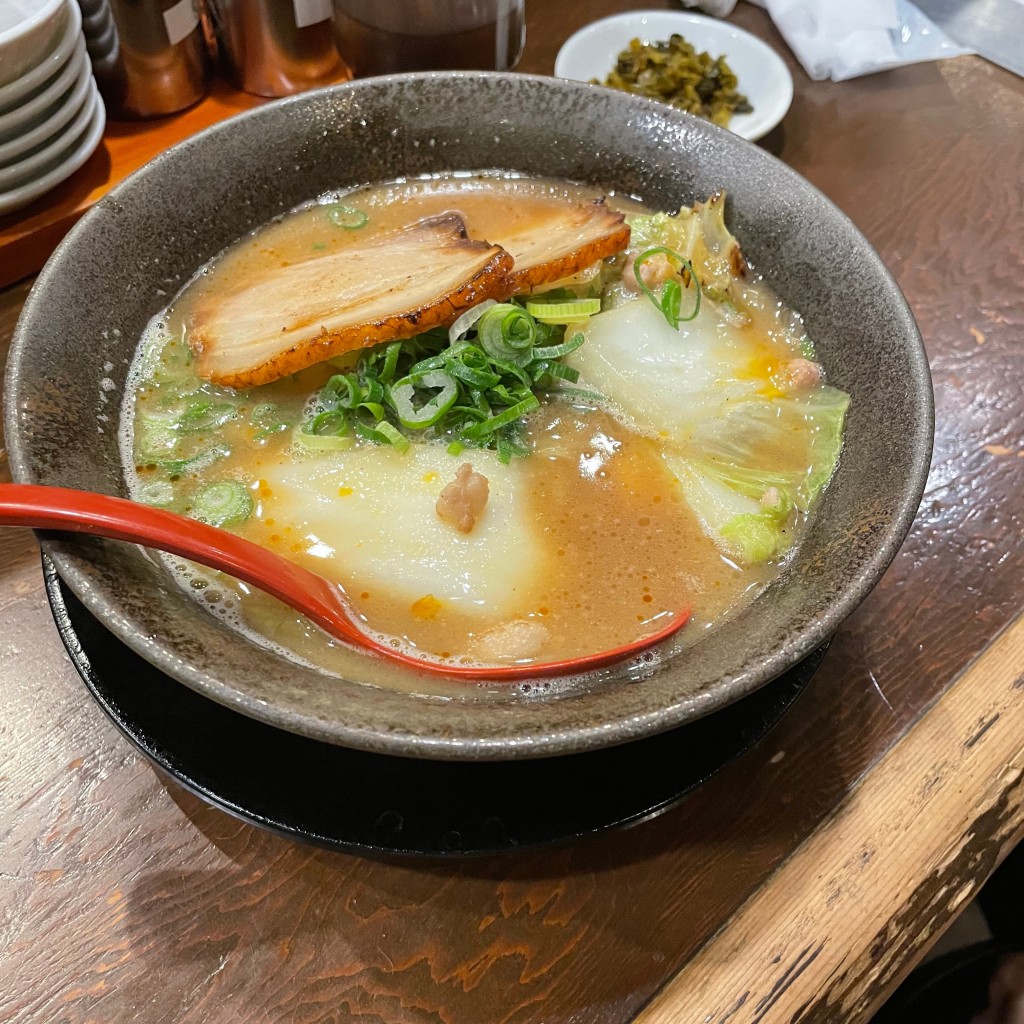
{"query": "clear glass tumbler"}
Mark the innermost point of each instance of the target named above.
(384, 36)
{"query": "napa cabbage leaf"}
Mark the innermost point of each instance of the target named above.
(698, 234)
(749, 457)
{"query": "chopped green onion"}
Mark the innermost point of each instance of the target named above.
(468, 319)
(507, 332)
(478, 378)
(557, 351)
(195, 463)
(523, 382)
(159, 493)
(206, 415)
(470, 412)
(575, 312)
(430, 363)
(375, 409)
(329, 422)
(427, 414)
(346, 388)
(369, 432)
(470, 385)
(456, 448)
(671, 301)
(168, 364)
(156, 437)
(511, 442)
(264, 414)
(348, 217)
(391, 354)
(510, 415)
(323, 442)
(578, 396)
(557, 371)
(222, 504)
(395, 437)
(671, 293)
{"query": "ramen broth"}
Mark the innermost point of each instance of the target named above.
(590, 540)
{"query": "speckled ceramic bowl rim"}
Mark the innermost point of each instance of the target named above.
(796, 645)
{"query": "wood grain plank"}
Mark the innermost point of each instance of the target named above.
(123, 898)
(828, 935)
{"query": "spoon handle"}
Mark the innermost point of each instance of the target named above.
(320, 600)
(59, 508)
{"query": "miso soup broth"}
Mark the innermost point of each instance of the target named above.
(664, 462)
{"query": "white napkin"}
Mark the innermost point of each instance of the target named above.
(719, 8)
(842, 39)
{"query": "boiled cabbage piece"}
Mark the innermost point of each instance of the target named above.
(748, 456)
(366, 517)
(664, 379)
(698, 234)
(282, 319)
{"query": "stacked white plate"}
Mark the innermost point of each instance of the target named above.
(51, 114)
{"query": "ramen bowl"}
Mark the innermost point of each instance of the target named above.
(129, 255)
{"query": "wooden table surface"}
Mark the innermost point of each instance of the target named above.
(798, 885)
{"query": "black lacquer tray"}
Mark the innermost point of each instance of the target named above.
(372, 803)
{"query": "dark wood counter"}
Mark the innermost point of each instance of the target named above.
(798, 885)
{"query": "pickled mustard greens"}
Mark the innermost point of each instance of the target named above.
(675, 73)
(656, 419)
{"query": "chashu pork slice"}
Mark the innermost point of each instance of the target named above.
(393, 286)
(561, 241)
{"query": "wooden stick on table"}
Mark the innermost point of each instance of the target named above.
(832, 917)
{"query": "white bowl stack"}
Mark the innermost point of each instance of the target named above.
(51, 114)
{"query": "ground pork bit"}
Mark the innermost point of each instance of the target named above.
(462, 501)
(800, 375)
(655, 271)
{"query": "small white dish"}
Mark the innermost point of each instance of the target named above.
(28, 31)
(50, 65)
(69, 106)
(762, 75)
(39, 109)
(66, 165)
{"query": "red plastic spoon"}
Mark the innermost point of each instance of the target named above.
(323, 602)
